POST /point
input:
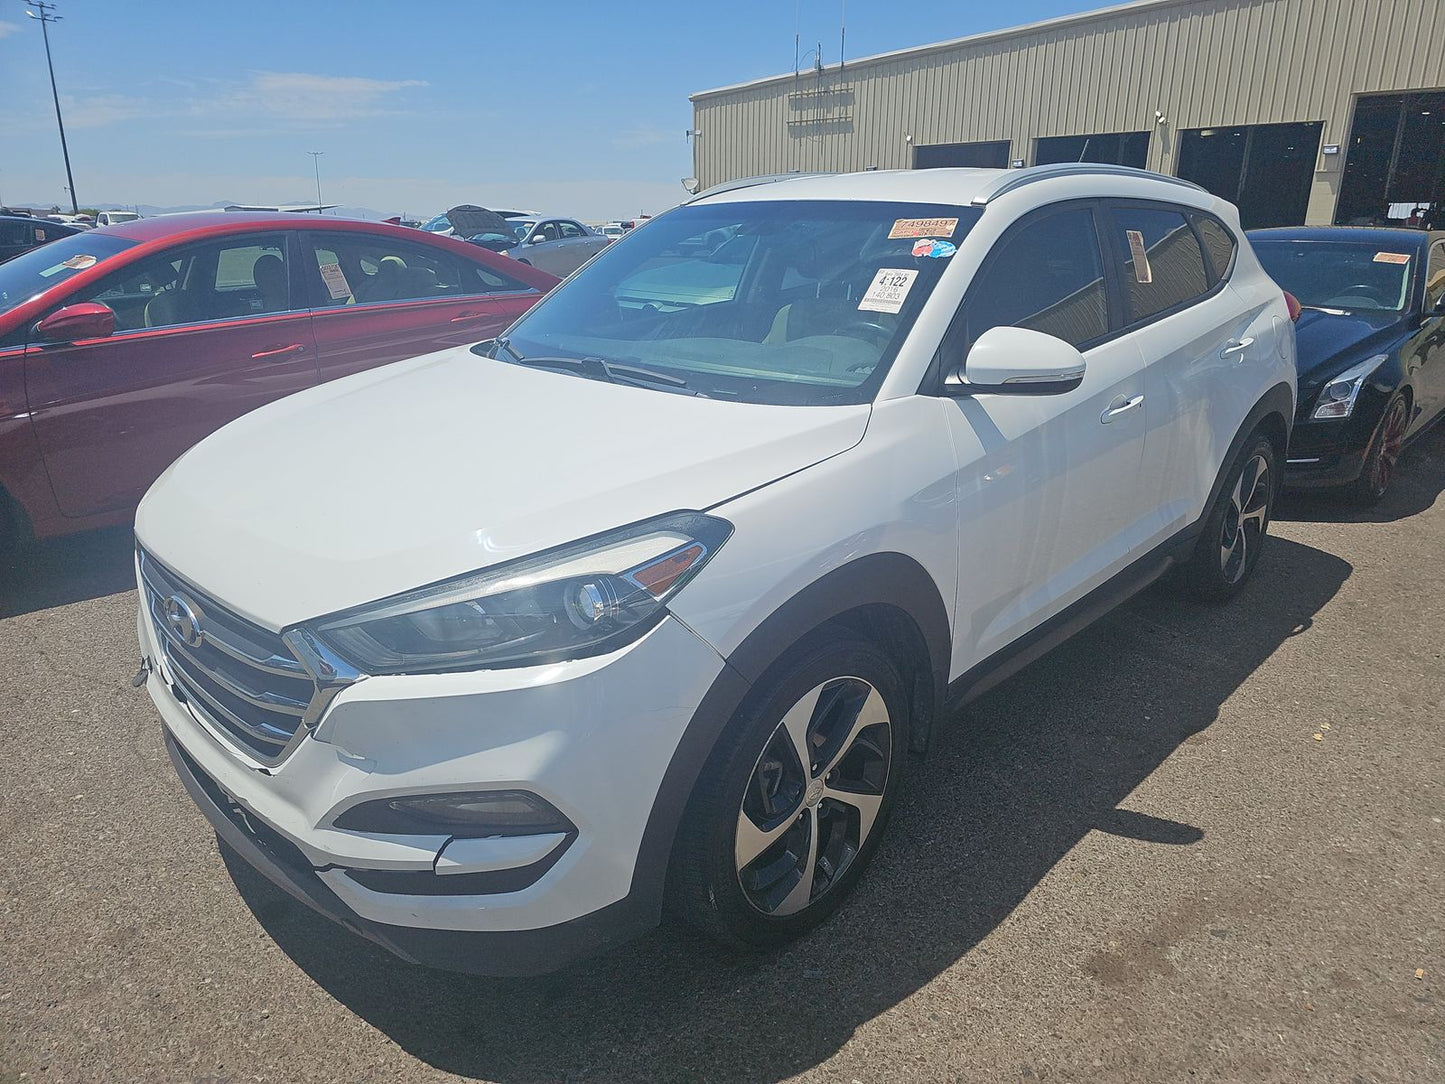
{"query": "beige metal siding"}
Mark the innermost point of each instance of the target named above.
(1202, 63)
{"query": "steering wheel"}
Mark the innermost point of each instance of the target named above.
(873, 331)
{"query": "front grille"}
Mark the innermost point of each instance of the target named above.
(235, 676)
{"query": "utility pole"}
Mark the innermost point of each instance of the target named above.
(47, 17)
(316, 161)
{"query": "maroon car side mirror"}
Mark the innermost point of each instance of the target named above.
(85, 320)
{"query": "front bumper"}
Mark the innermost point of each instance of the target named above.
(593, 737)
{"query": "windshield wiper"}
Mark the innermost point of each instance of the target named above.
(616, 372)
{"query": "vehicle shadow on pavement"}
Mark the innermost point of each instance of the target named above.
(42, 575)
(1023, 775)
(1419, 480)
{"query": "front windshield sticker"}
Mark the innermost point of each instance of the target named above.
(922, 227)
(335, 279)
(934, 249)
(888, 290)
(39, 234)
(1140, 255)
(79, 263)
(1392, 257)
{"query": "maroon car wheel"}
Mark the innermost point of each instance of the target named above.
(1384, 453)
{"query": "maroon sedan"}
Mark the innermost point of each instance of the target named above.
(121, 347)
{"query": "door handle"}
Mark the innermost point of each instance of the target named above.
(1237, 346)
(1121, 406)
(278, 352)
(468, 317)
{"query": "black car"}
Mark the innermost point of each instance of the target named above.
(1371, 347)
(20, 233)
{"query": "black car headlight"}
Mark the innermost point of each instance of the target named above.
(583, 599)
(1337, 397)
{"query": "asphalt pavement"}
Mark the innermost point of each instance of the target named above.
(1192, 844)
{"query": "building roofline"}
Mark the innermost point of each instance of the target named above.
(985, 37)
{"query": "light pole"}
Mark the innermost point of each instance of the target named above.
(316, 161)
(46, 18)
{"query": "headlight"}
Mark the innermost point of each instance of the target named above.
(1337, 398)
(583, 599)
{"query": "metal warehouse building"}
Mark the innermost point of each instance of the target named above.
(1299, 111)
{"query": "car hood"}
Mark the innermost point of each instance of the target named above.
(469, 220)
(1327, 344)
(431, 468)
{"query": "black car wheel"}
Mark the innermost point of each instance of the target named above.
(1384, 453)
(795, 797)
(1235, 529)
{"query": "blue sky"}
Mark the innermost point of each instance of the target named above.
(575, 107)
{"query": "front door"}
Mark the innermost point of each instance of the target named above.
(1047, 484)
(378, 299)
(204, 333)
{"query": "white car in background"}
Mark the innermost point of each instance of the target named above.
(650, 599)
(115, 218)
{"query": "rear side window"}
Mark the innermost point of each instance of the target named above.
(1435, 277)
(1046, 275)
(1163, 264)
(1219, 245)
(358, 269)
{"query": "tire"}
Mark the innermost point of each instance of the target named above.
(1234, 531)
(770, 844)
(1384, 454)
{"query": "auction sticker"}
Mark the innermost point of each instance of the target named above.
(78, 263)
(888, 290)
(335, 279)
(1392, 257)
(922, 227)
(1140, 255)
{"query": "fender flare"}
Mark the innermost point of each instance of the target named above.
(879, 579)
(1278, 401)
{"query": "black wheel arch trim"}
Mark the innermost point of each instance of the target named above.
(891, 580)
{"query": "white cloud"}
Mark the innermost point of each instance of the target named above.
(6, 29)
(645, 135)
(301, 96)
(99, 110)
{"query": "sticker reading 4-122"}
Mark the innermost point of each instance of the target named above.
(888, 290)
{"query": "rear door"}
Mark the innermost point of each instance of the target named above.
(1432, 395)
(1195, 334)
(377, 299)
(580, 244)
(204, 333)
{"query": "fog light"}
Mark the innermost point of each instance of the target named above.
(466, 814)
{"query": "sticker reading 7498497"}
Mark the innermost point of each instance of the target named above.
(922, 227)
(888, 290)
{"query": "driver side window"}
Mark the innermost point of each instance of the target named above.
(129, 292)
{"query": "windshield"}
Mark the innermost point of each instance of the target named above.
(117, 217)
(41, 268)
(438, 224)
(802, 302)
(1339, 276)
(521, 227)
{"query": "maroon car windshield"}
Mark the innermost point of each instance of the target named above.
(41, 268)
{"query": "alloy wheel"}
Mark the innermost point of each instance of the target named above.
(1245, 519)
(814, 795)
(1392, 443)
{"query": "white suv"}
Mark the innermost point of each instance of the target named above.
(489, 654)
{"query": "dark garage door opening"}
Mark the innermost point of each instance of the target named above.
(1264, 169)
(1114, 148)
(989, 155)
(1396, 155)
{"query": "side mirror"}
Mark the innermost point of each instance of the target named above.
(1017, 361)
(537, 239)
(85, 320)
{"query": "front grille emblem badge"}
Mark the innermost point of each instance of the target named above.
(183, 622)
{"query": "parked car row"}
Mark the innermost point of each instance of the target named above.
(637, 595)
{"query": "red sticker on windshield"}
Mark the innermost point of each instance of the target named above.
(1392, 257)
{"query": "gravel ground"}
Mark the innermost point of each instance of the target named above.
(1192, 844)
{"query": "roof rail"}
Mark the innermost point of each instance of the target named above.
(1018, 178)
(752, 182)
